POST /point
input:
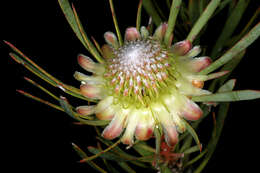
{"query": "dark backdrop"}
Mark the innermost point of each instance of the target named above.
(36, 137)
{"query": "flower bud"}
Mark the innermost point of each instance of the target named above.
(181, 48)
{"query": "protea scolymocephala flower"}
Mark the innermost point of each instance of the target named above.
(143, 84)
(148, 82)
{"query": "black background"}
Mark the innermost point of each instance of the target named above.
(36, 137)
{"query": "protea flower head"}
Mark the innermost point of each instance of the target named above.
(143, 85)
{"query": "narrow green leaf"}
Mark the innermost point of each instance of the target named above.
(193, 11)
(195, 159)
(106, 155)
(40, 100)
(138, 16)
(175, 7)
(165, 169)
(191, 150)
(111, 168)
(237, 48)
(158, 136)
(228, 86)
(126, 167)
(82, 154)
(101, 152)
(41, 73)
(91, 48)
(118, 151)
(203, 19)
(188, 139)
(222, 113)
(144, 149)
(228, 96)
(150, 9)
(42, 88)
(193, 134)
(230, 26)
(67, 10)
(221, 6)
(231, 65)
(159, 10)
(115, 22)
(68, 109)
(236, 38)
(35, 71)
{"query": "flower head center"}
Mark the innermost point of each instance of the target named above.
(139, 70)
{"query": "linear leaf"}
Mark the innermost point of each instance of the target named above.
(41, 73)
(230, 26)
(165, 169)
(68, 12)
(106, 155)
(101, 152)
(240, 46)
(193, 134)
(150, 9)
(175, 7)
(144, 149)
(228, 86)
(91, 48)
(228, 96)
(42, 88)
(118, 151)
(195, 159)
(68, 109)
(192, 150)
(138, 16)
(115, 22)
(40, 100)
(231, 65)
(193, 11)
(236, 38)
(203, 19)
(126, 167)
(222, 113)
(82, 154)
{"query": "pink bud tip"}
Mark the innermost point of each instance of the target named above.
(191, 111)
(182, 47)
(85, 110)
(143, 132)
(160, 31)
(106, 114)
(111, 39)
(171, 135)
(90, 91)
(200, 63)
(107, 51)
(131, 34)
(112, 131)
(85, 62)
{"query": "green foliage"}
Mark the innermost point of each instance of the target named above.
(189, 19)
